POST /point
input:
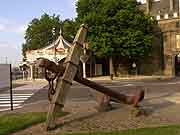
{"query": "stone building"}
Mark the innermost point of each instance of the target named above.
(167, 39)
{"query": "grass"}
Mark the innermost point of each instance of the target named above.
(166, 130)
(10, 123)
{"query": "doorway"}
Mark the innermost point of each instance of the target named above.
(177, 65)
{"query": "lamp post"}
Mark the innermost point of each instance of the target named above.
(84, 58)
(53, 33)
(134, 67)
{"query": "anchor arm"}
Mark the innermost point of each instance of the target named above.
(132, 100)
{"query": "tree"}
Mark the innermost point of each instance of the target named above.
(69, 29)
(39, 32)
(116, 28)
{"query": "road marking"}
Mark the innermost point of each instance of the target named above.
(129, 84)
(29, 94)
(14, 99)
(7, 102)
(14, 96)
(18, 100)
(109, 86)
(173, 83)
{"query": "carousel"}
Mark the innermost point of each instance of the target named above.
(53, 52)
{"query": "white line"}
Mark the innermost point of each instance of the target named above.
(8, 105)
(14, 99)
(172, 83)
(8, 102)
(110, 86)
(128, 85)
(17, 94)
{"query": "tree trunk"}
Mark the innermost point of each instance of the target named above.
(111, 68)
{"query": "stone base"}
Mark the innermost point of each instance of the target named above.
(104, 108)
(140, 111)
(103, 101)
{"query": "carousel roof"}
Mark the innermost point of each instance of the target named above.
(60, 44)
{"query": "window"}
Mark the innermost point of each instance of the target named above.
(177, 41)
(175, 15)
(158, 17)
(166, 16)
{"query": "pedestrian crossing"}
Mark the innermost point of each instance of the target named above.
(18, 100)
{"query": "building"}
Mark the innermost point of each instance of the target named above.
(167, 40)
(54, 52)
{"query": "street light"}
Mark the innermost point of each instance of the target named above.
(84, 58)
(53, 33)
(134, 67)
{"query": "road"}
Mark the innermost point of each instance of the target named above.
(154, 89)
(33, 93)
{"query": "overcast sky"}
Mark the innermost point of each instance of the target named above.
(16, 14)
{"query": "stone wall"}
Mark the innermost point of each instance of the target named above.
(166, 12)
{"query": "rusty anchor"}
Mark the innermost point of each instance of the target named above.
(67, 71)
(59, 69)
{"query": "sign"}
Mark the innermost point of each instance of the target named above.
(5, 76)
(84, 58)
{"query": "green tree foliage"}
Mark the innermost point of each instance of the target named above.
(69, 29)
(116, 27)
(39, 32)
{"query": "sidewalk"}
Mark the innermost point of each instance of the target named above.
(138, 77)
(30, 84)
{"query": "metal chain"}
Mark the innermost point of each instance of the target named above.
(50, 77)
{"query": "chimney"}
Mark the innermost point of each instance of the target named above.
(148, 3)
(171, 5)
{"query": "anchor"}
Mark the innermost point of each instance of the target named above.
(66, 71)
(117, 96)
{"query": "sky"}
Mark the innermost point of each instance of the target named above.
(15, 16)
